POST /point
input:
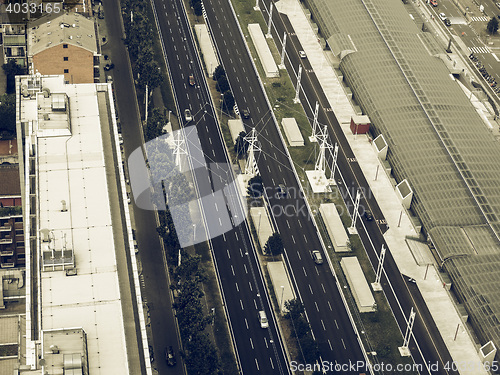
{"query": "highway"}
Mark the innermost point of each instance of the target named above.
(244, 294)
(426, 344)
(317, 287)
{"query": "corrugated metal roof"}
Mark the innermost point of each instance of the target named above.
(436, 139)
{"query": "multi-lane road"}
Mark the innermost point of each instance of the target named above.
(259, 351)
(427, 345)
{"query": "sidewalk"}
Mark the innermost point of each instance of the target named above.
(411, 262)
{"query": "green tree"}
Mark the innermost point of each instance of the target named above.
(155, 124)
(198, 10)
(222, 84)
(228, 101)
(241, 145)
(274, 245)
(492, 26)
(219, 71)
(202, 356)
(12, 69)
(8, 116)
(255, 187)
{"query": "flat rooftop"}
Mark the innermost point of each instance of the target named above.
(78, 235)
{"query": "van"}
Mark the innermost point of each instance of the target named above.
(318, 259)
(263, 319)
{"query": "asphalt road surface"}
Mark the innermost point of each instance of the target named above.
(259, 351)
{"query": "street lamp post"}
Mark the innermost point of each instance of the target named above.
(281, 303)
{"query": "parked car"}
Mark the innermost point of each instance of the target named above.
(498, 5)
(187, 115)
(109, 66)
(170, 356)
(302, 54)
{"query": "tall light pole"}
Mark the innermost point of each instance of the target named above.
(281, 303)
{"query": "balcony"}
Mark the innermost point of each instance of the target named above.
(6, 228)
(7, 252)
(7, 265)
(6, 240)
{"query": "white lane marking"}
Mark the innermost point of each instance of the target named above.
(246, 323)
(305, 273)
(269, 169)
(224, 236)
(343, 343)
(251, 342)
(228, 255)
(216, 208)
(250, 285)
(330, 344)
(305, 238)
(236, 234)
(220, 221)
(317, 308)
(293, 239)
(241, 252)
(232, 269)
(317, 272)
(257, 364)
(255, 303)
(241, 303)
(237, 288)
(272, 364)
(323, 324)
(323, 287)
(245, 267)
(298, 254)
(287, 223)
(336, 324)
(265, 341)
(298, 221)
(311, 289)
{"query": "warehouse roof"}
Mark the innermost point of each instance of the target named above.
(436, 139)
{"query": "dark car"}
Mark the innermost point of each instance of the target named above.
(170, 356)
(447, 22)
(281, 191)
(368, 215)
(245, 113)
(109, 66)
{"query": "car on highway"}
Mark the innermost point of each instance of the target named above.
(282, 191)
(263, 319)
(442, 16)
(447, 22)
(302, 54)
(318, 259)
(245, 113)
(368, 215)
(187, 115)
(191, 80)
(434, 3)
(170, 356)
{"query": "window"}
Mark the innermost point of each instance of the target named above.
(66, 70)
(65, 46)
(65, 58)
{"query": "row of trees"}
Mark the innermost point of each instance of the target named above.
(139, 41)
(222, 86)
(301, 331)
(201, 356)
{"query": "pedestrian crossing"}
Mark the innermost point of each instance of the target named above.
(479, 50)
(480, 19)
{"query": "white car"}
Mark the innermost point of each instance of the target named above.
(187, 115)
(302, 54)
(498, 5)
(442, 16)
